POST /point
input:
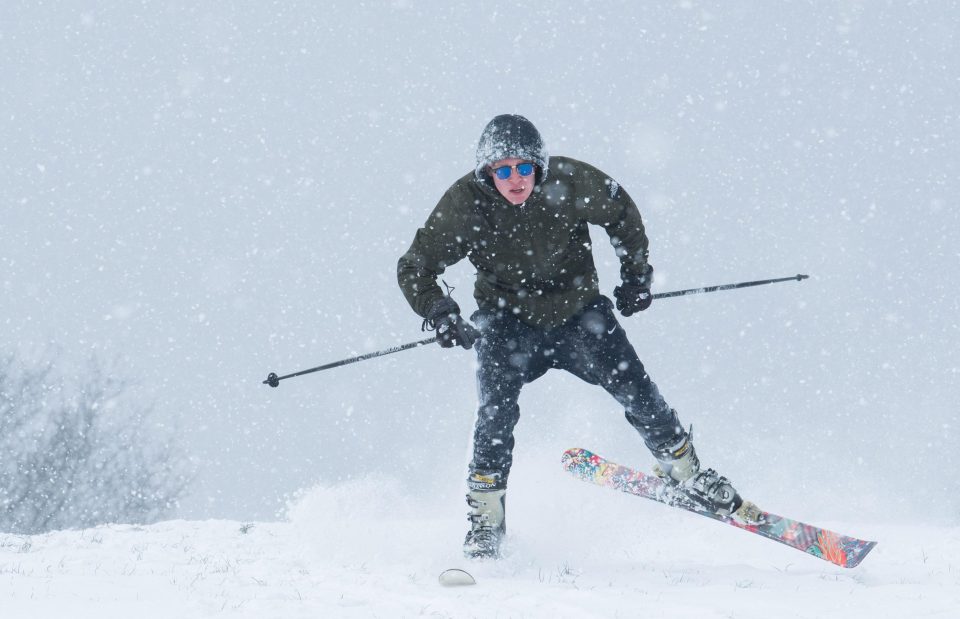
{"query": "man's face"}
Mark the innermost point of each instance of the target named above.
(516, 188)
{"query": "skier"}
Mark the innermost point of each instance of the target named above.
(521, 217)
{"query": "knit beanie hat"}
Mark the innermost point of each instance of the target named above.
(511, 135)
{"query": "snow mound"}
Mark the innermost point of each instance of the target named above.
(367, 548)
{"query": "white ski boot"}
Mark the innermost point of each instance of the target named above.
(679, 466)
(487, 524)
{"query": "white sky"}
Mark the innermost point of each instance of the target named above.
(202, 195)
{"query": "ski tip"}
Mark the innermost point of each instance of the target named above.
(575, 457)
(855, 558)
(456, 577)
(576, 452)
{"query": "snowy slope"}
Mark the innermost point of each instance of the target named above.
(363, 549)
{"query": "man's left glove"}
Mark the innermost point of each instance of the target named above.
(452, 330)
(633, 295)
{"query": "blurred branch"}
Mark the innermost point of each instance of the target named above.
(84, 460)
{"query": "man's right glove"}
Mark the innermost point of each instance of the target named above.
(633, 295)
(452, 330)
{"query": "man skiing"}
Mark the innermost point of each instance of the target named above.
(522, 217)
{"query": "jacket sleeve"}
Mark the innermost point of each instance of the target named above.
(607, 204)
(441, 242)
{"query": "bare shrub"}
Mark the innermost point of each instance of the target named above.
(74, 456)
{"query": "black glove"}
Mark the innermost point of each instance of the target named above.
(452, 330)
(633, 295)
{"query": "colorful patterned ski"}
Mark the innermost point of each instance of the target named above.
(838, 549)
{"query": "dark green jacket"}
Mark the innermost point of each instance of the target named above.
(534, 259)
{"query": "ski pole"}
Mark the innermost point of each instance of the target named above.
(274, 381)
(683, 293)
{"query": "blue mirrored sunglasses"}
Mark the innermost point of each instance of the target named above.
(504, 171)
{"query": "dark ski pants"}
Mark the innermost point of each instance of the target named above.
(592, 346)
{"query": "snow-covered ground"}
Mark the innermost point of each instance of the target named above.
(366, 549)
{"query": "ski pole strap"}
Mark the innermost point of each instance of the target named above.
(683, 293)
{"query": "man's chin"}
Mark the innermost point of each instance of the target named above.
(517, 199)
